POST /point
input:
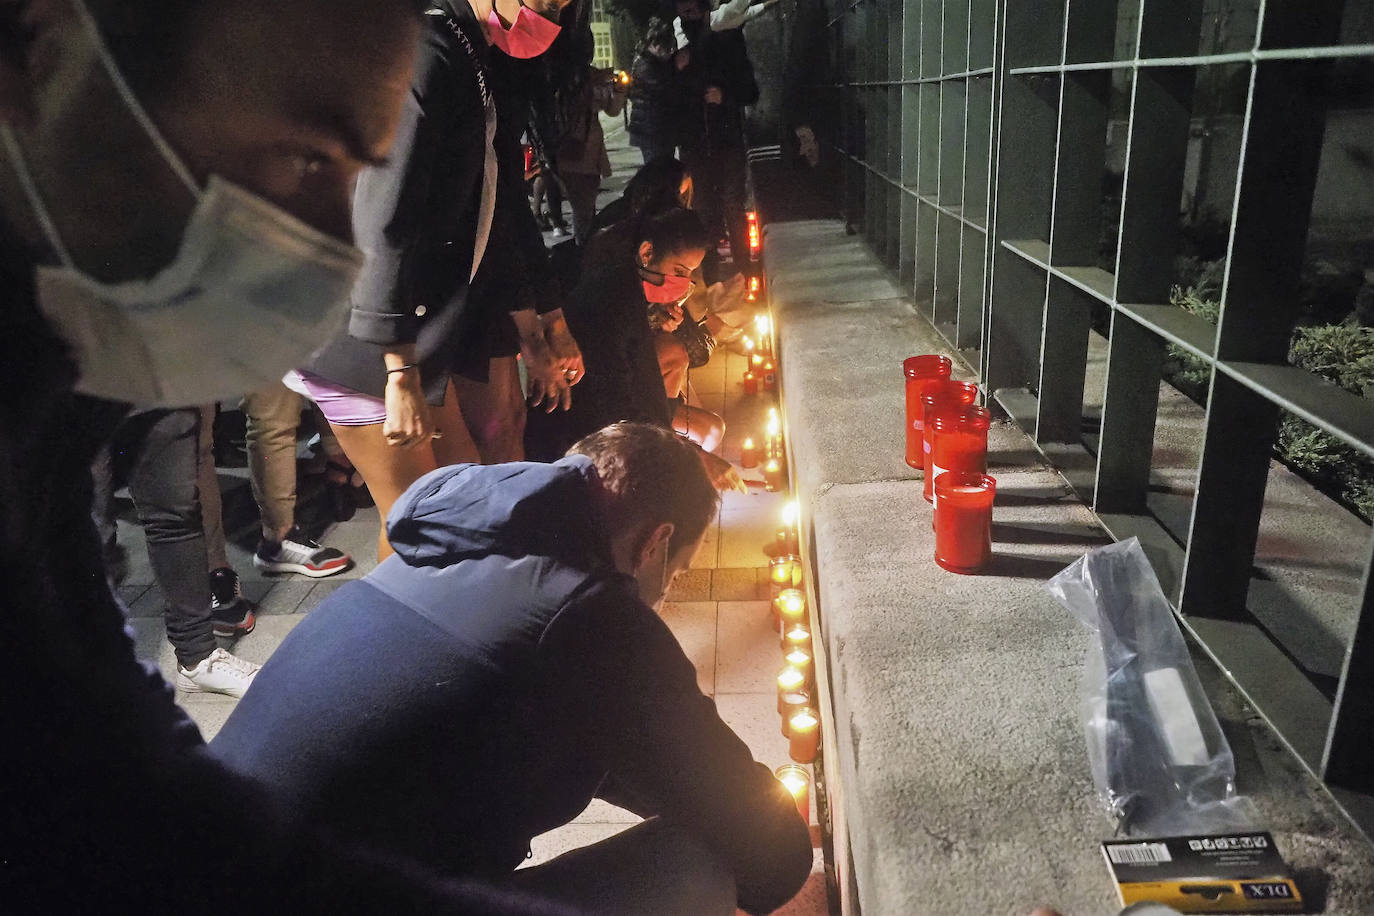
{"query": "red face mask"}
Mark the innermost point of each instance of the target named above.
(528, 36)
(671, 291)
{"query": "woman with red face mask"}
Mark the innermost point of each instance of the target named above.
(622, 299)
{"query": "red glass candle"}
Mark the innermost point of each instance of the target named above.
(751, 382)
(804, 736)
(919, 371)
(749, 454)
(963, 520)
(774, 476)
(940, 396)
(793, 702)
(798, 783)
(770, 376)
(958, 442)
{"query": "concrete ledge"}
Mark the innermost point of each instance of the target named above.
(954, 757)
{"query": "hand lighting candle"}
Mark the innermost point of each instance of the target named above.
(749, 454)
(963, 520)
(804, 736)
(919, 371)
(798, 783)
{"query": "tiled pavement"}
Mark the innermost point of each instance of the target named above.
(718, 609)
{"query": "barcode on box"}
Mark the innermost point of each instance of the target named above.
(1139, 854)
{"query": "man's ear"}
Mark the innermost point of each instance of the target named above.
(646, 254)
(658, 537)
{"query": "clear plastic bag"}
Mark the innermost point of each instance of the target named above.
(1159, 759)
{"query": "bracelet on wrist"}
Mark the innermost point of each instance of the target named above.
(406, 368)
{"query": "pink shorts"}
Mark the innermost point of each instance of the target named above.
(340, 406)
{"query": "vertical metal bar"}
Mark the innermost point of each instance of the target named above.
(1349, 756)
(1063, 363)
(1135, 363)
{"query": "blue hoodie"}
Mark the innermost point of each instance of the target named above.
(484, 684)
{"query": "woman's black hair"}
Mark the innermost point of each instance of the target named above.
(655, 187)
(672, 232)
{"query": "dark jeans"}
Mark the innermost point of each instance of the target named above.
(719, 178)
(155, 452)
(582, 190)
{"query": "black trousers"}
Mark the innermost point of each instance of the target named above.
(155, 452)
(719, 193)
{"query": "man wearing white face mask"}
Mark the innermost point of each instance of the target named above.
(188, 210)
(481, 686)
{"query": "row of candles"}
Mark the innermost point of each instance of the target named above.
(796, 681)
(947, 440)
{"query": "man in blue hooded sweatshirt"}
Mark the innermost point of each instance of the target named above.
(505, 667)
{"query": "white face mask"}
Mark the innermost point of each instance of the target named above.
(252, 292)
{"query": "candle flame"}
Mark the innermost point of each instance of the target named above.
(748, 443)
(803, 721)
(791, 678)
(789, 513)
(762, 325)
(793, 601)
(772, 467)
(798, 634)
(774, 424)
(798, 657)
(795, 782)
(748, 343)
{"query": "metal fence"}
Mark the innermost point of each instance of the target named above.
(1034, 169)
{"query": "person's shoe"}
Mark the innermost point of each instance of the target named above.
(297, 553)
(231, 613)
(220, 672)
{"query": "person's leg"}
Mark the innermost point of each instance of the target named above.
(389, 471)
(733, 177)
(700, 425)
(582, 191)
(102, 511)
(207, 483)
(653, 867)
(274, 415)
(553, 191)
(706, 201)
(672, 362)
(494, 411)
(162, 482)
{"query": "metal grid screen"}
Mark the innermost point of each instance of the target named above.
(1028, 168)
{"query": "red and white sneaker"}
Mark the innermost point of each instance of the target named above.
(298, 554)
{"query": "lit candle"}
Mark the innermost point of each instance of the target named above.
(798, 784)
(793, 703)
(755, 235)
(764, 327)
(749, 454)
(787, 534)
(773, 477)
(801, 660)
(790, 680)
(963, 520)
(756, 361)
(797, 636)
(755, 287)
(770, 376)
(773, 428)
(781, 572)
(804, 734)
(789, 607)
(751, 382)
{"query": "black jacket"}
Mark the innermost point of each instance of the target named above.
(719, 59)
(110, 798)
(608, 314)
(483, 685)
(651, 99)
(416, 220)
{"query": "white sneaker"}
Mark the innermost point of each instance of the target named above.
(220, 672)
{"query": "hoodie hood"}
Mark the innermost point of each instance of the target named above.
(519, 509)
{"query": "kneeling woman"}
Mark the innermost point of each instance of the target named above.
(610, 313)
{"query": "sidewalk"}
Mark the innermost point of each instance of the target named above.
(719, 610)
